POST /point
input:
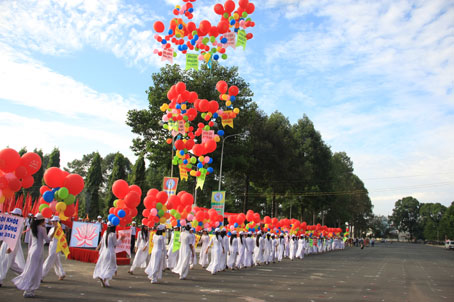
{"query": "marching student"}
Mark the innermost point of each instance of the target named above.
(11, 259)
(106, 266)
(172, 257)
(241, 248)
(158, 254)
(141, 249)
(217, 249)
(53, 258)
(233, 251)
(258, 249)
(30, 279)
(203, 257)
(186, 253)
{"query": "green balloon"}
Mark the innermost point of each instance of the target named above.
(212, 39)
(177, 216)
(174, 54)
(224, 56)
(43, 206)
(63, 193)
(206, 128)
(115, 202)
(70, 199)
(226, 15)
(159, 206)
(194, 32)
(172, 212)
(165, 126)
(244, 14)
(205, 40)
(193, 160)
(161, 213)
(189, 166)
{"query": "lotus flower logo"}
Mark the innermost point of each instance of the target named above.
(85, 234)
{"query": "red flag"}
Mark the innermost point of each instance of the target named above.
(35, 207)
(28, 203)
(76, 212)
(12, 203)
(20, 202)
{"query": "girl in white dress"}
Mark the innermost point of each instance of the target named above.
(172, 257)
(106, 266)
(203, 257)
(53, 259)
(233, 251)
(293, 247)
(216, 252)
(267, 249)
(258, 249)
(225, 245)
(186, 254)
(30, 279)
(241, 248)
(249, 251)
(12, 259)
(280, 247)
(140, 260)
(157, 259)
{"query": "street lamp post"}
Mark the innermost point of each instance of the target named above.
(222, 154)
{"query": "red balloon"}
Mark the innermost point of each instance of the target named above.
(204, 105)
(204, 27)
(43, 189)
(3, 181)
(14, 184)
(222, 86)
(179, 145)
(162, 197)
(187, 199)
(21, 172)
(132, 199)
(27, 182)
(150, 202)
(70, 210)
(229, 6)
(223, 26)
(158, 26)
(47, 212)
(9, 160)
(210, 146)
(74, 183)
(31, 161)
(53, 177)
(199, 216)
(250, 8)
(181, 87)
(243, 3)
(175, 201)
(120, 188)
(213, 107)
(219, 9)
(233, 90)
(152, 192)
(136, 188)
(198, 150)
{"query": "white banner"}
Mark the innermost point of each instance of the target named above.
(11, 229)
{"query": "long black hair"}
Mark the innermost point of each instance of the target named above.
(110, 229)
(257, 240)
(231, 238)
(34, 226)
(241, 238)
(217, 235)
(144, 232)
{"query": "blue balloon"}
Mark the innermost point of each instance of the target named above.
(221, 132)
(216, 57)
(115, 221)
(191, 10)
(184, 47)
(48, 196)
(229, 233)
(232, 98)
(232, 22)
(121, 213)
(200, 165)
(196, 37)
(210, 170)
(181, 152)
(235, 224)
(200, 223)
(185, 161)
(211, 160)
(193, 41)
(178, 223)
(180, 26)
(164, 41)
(170, 32)
(178, 106)
(55, 189)
(215, 115)
(110, 217)
(224, 40)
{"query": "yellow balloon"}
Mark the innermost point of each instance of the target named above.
(236, 110)
(162, 219)
(60, 207)
(62, 217)
(207, 56)
(228, 103)
(217, 139)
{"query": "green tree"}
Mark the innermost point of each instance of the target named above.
(430, 217)
(54, 158)
(138, 177)
(447, 223)
(93, 203)
(38, 177)
(81, 166)
(406, 216)
(118, 172)
(22, 151)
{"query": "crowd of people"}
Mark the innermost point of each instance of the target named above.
(156, 250)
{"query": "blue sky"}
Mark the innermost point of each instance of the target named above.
(375, 77)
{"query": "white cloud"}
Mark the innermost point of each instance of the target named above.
(27, 82)
(63, 27)
(73, 140)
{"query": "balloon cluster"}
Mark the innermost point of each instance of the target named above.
(206, 219)
(16, 171)
(208, 40)
(125, 207)
(160, 207)
(59, 193)
(183, 108)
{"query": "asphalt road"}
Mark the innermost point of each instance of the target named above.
(386, 272)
